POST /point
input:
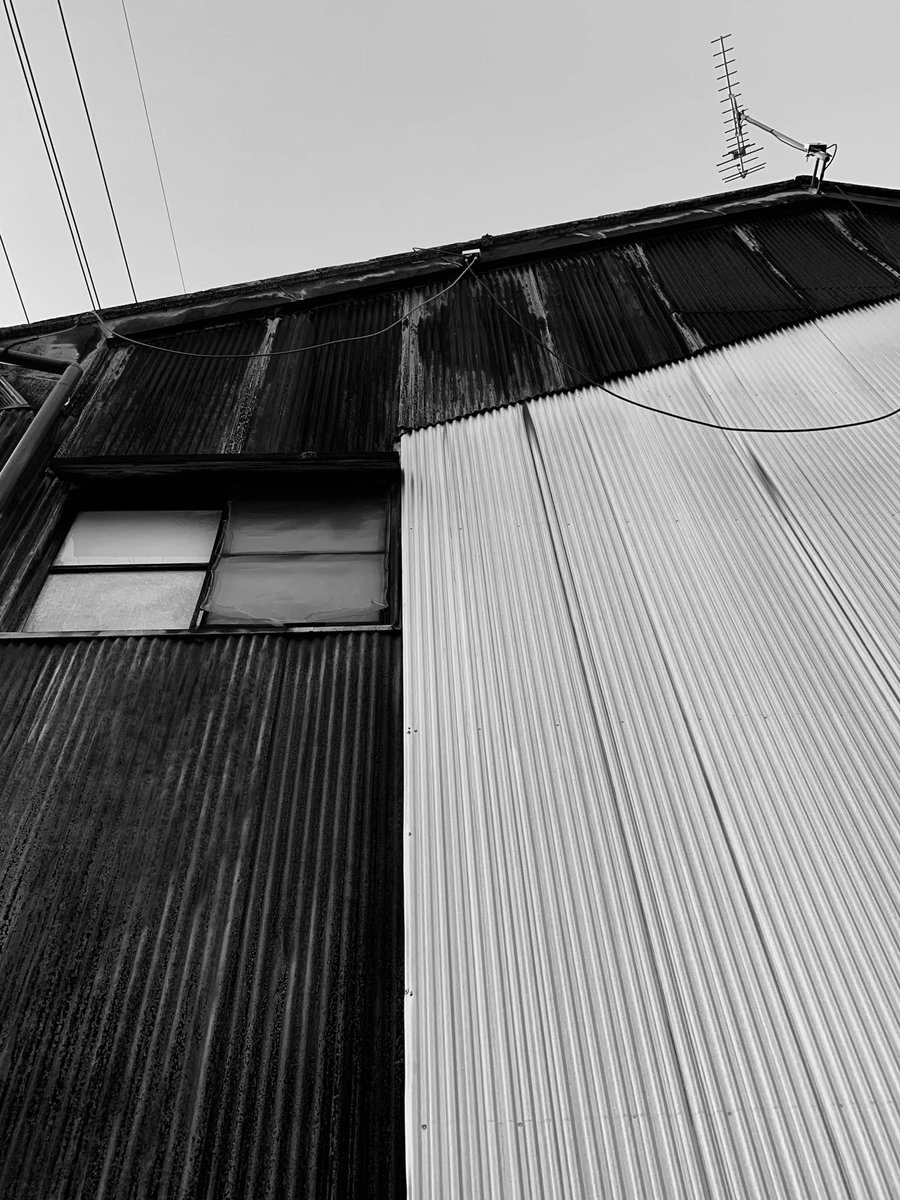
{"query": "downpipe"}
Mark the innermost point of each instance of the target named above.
(44, 421)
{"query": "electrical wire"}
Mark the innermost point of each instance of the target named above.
(534, 337)
(87, 114)
(359, 337)
(162, 186)
(13, 276)
(665, 412)
(50, 150)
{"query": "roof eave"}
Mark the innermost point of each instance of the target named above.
(80, 331)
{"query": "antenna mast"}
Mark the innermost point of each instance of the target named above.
(741, 154)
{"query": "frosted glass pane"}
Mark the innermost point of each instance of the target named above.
(327, 589)
(117, 538)
(329, 523)
(116, 600)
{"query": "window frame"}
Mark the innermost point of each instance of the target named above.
(177, 487)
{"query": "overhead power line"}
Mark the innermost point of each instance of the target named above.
(87, 114)
(162, 186)
(13, 276)
(50, 149)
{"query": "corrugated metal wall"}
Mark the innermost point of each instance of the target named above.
(607, 311)
(341, 400)
(652, 699)
(200, 921)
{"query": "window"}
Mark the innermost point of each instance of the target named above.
(308, 554)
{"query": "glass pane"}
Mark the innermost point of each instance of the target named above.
(99, 538)
(329, 522)
(326, 589)
(116, 600)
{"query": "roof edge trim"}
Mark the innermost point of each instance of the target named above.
(422, 266)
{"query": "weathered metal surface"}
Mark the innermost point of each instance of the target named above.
(466, 356)
(200, 922)
(827, 268)
(605, 317)
(652, 702)
(339, 400)
(721, 288)
(326, 284)
(26, 530)
(597, 311)
(881, 233)
(13, 423)
(151, 402)
(604, 312)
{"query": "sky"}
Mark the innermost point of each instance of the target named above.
(304, 133)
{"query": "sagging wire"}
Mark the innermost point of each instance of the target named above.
(162, 186)
(662, 412)
(470, 263)
(50, 149)
(90, 123)
(358, 337)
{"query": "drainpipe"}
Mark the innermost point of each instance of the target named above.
(32, 440)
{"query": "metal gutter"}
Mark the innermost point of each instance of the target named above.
(37, 433)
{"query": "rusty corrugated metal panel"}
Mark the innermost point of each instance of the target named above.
(826, 267)
(878, 230)
(148, 402)
(13, 423)
(200, 922)
(604, 317)
(341, 400)
(598, 311)
(720, 287)
(605, 312)
(26, 535)
(653, 700)
(466, 356)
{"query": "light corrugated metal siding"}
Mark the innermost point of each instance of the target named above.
(652, 723)
(200, 917)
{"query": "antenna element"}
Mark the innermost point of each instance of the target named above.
(741, 154)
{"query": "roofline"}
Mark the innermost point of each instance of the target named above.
(422, 266)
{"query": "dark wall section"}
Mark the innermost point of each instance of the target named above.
(200, 918)
(165, 401)
(161, 400)
(605, 317)
(607, 311)
(337, 400)
(722, 289)
(822, 264)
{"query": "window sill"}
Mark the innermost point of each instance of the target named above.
(229, 631)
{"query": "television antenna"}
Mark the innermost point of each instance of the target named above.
(741, 154)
